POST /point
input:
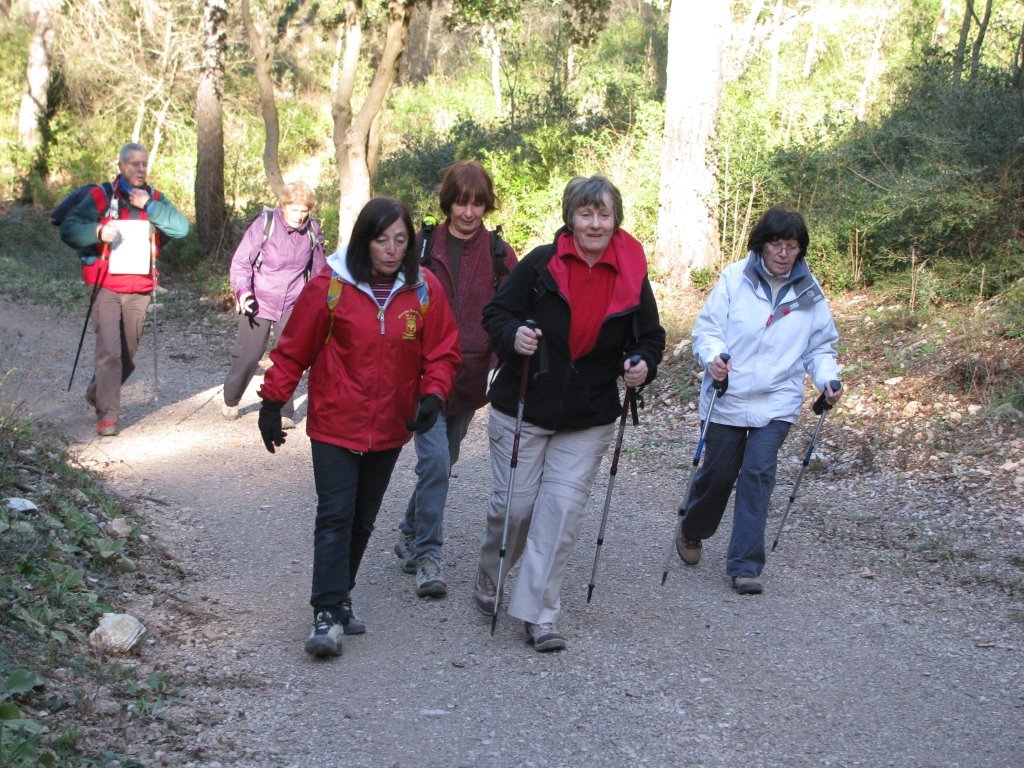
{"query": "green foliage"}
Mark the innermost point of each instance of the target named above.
(14, 37)
(607, 119)
(51, 274)
(58, 573)
(922, 193)
(19, 735)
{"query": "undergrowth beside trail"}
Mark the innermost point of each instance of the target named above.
(63, 563)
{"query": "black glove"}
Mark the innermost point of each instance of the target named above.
(426, 414)
(270, 424)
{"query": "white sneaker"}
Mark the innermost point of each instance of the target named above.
(545, 637)
(229, 412)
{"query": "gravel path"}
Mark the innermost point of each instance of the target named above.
(866, 648)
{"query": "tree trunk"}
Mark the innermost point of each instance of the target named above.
(875, 60)
(263, 56)
(209, 186)
(352, 133)
(489, 35)
(961, 47)
(942, 22)
(34, 105)
(745, 46)
(774, 42)
(687, 221)
(979, 41)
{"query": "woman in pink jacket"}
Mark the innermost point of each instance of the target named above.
(378, 338)
(279, 250)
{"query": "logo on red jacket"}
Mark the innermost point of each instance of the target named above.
(412, 321)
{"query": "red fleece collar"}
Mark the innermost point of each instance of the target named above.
(625, 255)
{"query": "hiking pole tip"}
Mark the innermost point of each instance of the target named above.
(821, 407)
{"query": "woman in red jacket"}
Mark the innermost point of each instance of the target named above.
(381, 345)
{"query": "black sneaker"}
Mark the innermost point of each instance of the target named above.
(747, 585)
(353, 625)
(403, 548)
(325, 637)
(430, 578)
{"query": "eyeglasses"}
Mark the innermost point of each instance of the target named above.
(784, 246)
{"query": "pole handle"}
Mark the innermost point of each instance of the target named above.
(721, 386)
(821, 404)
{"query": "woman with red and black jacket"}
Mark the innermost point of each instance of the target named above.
(595, 314)
(378, 338)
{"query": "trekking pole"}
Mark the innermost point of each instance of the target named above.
(85, 327)
(719, 388)
(156, 322)
(427, 225)
(156, 344)
(821, 407)
(524, 378)
(628, 400)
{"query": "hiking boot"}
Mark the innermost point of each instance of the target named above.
(688, 549)
(484, 592)
(354, 625)
(429, 578)
(325, 637)
(404, 551)
(545, 637)
(229, 412)
(287, 423)
(106, 428)
(747, 585)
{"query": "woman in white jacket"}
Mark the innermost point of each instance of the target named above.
(769, 316)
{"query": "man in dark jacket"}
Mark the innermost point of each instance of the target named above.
(125, 274)
(469, 262)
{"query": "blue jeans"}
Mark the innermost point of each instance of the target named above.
(748, 457)
(349, 488)
(437, 450)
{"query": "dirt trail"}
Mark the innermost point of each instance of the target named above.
(849, 657)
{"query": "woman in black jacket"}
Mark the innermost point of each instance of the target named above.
(596, 320)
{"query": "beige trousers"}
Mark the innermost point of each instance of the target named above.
(554, 473)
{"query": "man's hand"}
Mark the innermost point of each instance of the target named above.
(138, 197)
(426, 415)
(107, 233)
(270, 424)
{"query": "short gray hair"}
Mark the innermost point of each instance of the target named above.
(298, 192)
(127, 149)
(584, 190)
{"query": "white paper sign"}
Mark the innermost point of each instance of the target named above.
(130, 251)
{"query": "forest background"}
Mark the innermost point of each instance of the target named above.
(896, 127)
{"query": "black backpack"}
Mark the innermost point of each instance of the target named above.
(73, 199)
(427, 230)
